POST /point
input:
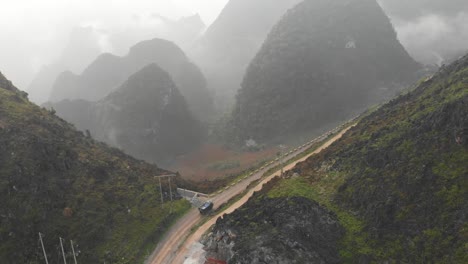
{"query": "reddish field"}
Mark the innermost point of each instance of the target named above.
(213, 162)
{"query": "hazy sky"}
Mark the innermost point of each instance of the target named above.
(34, 32)
(431, 30)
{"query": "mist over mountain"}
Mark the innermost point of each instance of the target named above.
(61, 183)
(108, 71)
(82, 47)
(433, 32)
(409, 10)
(392, 190)
(321, 63)
(230, 43)
(183, 31)
(35, 33)
(86, 43)
(146, 116)
(228, 92)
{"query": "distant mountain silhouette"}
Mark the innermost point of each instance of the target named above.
(108, 72)
(146, 117)
(81, 49)
(231, 42)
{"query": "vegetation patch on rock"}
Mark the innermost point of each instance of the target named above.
(57, 181)
(396, 182)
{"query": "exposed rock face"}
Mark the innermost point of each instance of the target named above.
(293, 230)
(147, 117)
(409, 180)
(397, 182)
(231, 42)
(108, 72)
(323, 61)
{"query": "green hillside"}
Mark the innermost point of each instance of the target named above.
(397, 183)
(57, 181)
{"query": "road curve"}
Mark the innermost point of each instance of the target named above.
(173, 248)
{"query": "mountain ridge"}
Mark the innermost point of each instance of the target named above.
(62, 183)
(146, 117)
(396, 183)
(226, 48)
(109, 71)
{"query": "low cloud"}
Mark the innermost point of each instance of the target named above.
(34, 33)
(432, 39)
(433, 31)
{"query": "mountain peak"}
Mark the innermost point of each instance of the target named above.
(108, 72)
(161, 45)
(323, 62)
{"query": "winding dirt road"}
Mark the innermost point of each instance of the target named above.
(173, 248)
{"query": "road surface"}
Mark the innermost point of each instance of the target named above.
(171, 250)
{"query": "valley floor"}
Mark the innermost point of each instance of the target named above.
(177, 242)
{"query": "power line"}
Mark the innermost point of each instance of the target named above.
(170, 187)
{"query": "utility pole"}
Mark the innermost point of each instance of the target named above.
(282, 147)
(43, 249)
(160, 190)
(170, 187)
(170, 194)
(63, 251)
(73, 250)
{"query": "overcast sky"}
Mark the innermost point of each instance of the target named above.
(432, 31)
(33, 32)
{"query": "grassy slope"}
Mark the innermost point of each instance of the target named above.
(398, 181)
(48, 169)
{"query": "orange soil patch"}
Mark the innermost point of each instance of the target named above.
(208, 162)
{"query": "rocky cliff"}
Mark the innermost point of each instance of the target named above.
(396, 183)
(292, 230)
(324, 61)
